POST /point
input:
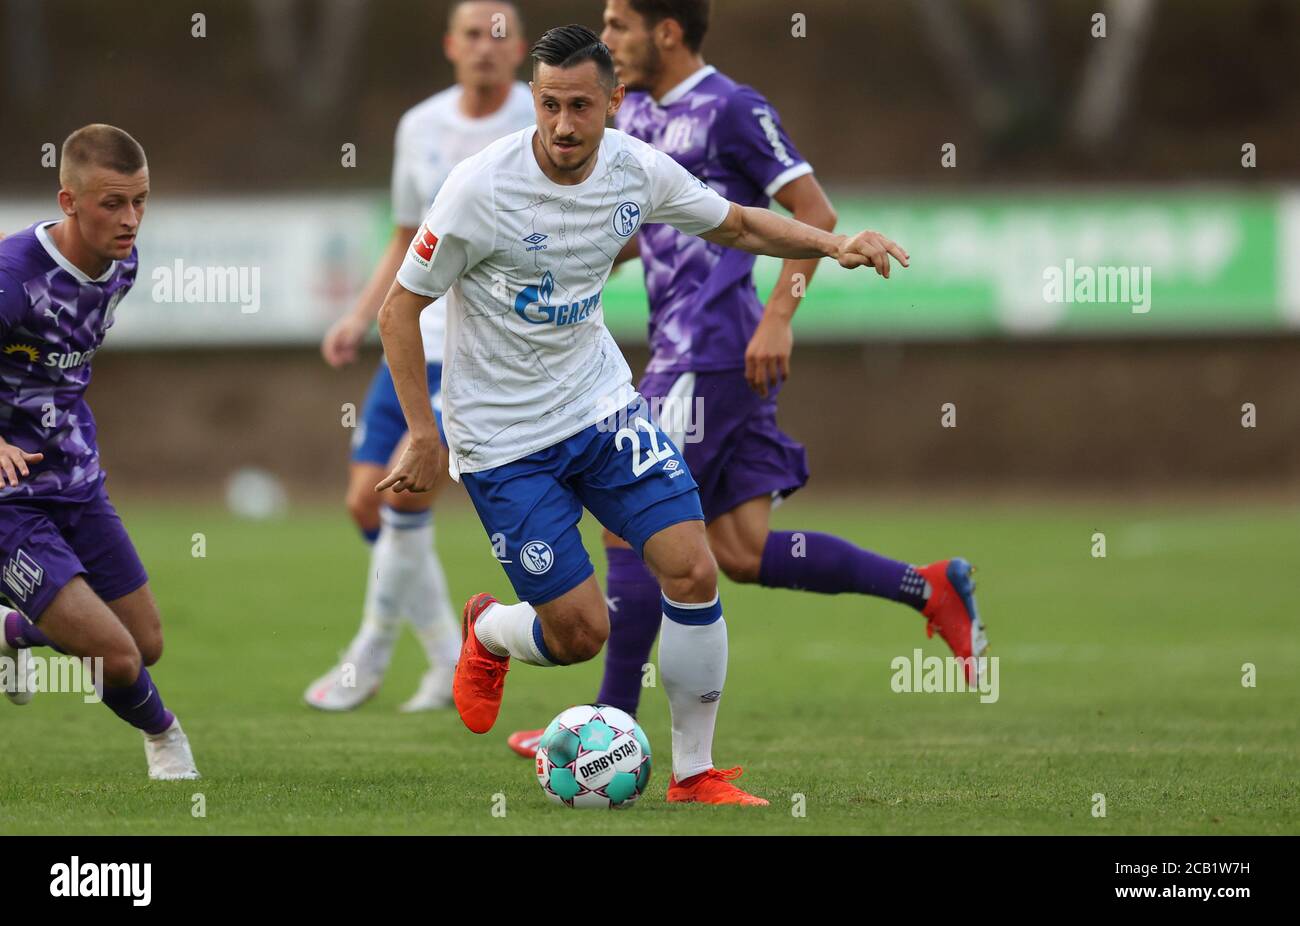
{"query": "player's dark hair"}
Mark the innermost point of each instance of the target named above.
(99, 145)
(691, 15)
(569, 46)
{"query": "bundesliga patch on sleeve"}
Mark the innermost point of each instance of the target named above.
(423, 246)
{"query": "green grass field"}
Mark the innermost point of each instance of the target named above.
(1120, 676)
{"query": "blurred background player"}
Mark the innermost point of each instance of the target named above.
(719, 355)
(541, 417)
(68, 565)
(485, 45)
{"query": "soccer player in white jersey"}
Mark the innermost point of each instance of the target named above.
(538, 406)
(485, 44)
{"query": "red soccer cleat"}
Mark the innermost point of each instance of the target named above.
(712, 787)
(480, 674)
(951, 611)
(525, 742)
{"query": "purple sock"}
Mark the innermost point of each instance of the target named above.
(139, 704)
(635, 614)
(20, 633)
(822, 563)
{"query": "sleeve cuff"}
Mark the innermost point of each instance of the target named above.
(417, 288)
(794, 173)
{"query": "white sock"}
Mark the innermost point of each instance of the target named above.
(512, 630)
(693, 668)
(372, 648)
(426, 603)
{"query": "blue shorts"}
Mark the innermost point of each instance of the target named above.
(629, 475)
(382, 424)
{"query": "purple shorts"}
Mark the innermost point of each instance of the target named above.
(728, 435)
(45, 543)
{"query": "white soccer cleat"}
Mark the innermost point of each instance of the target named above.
(20, 673)
(434, 692)
(169, 755)
(345, 687)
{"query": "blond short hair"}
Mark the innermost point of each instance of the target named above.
(99, 145)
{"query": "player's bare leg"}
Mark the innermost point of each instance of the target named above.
(138, 613)
(749, 551)
(737, 538)
(79, 623)
(635, 612)
(693, 662)
(633, 600)
(405, 582)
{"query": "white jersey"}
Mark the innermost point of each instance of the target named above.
(432, 138)
(523, 262)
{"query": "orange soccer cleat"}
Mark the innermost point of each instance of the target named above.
(951, 611)
(712, 787)
(525, 742)
(480, 673)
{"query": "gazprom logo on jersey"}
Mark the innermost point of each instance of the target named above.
(627, 218)
(533, 305)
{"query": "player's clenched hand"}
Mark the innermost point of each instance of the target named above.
(342, 340)
(416, 468)
(767, 358)
(13, 463)
(870, 248)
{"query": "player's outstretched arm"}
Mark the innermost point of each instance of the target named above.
(399, 326)
(762, 231)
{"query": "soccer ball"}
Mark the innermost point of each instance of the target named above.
(593, 755)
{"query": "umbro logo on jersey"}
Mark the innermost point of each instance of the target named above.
(673, 468)
(535, 240)
(423, 246)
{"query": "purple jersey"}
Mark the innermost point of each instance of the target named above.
(703, 305)
(52, 320)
